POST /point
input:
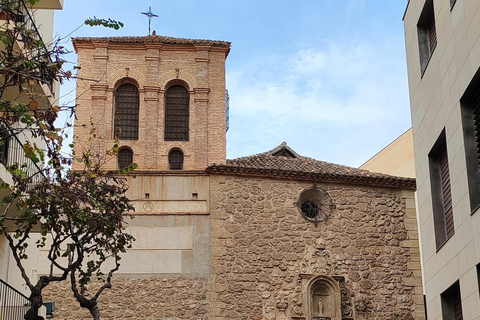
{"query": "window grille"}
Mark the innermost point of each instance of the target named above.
(126, 112)
(125, 158)
(175, 160)
(176, 113)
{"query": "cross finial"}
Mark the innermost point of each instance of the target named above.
(150, 15)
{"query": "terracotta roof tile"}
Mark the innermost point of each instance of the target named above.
(152, 39)
(303, 168)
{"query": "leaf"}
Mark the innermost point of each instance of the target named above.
(33, 105)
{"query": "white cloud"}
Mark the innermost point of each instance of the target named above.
(319, 95)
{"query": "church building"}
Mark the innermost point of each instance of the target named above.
(274, 235)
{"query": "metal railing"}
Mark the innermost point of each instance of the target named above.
(13, 154)
(13, 304)
(23, 16)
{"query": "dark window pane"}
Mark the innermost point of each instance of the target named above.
(175, 160)
(176, 113)
(125, 158)
(126, 112)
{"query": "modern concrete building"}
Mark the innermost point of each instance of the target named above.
(443, 59)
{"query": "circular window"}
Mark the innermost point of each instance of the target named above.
(309, 209)
(315, 204)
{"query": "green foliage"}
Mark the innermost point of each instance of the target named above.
(79, 215)
(108, 23)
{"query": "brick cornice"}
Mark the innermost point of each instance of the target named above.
(201, 90)
(99, 87)
(207, 60)
(151, 88)
(99, 97)
(156, 46)
(100, 44)
(202, 47)
(100, 57)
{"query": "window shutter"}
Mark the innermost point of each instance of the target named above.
(457, 305)
(446, 193)
(476, 125)
(432, 33)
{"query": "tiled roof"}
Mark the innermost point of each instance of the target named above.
(294, 166)
(153, 39)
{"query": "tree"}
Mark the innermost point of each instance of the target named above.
(79, 214)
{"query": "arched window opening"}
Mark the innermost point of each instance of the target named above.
(175, 160)
(176, 113)
(126, 112)
(125, 158)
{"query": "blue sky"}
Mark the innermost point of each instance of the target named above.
(326, 76)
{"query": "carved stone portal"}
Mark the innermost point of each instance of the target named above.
(327, 298)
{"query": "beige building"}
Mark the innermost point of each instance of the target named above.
(270, 236)
(443, 58)
(39, 19)
(395, 159)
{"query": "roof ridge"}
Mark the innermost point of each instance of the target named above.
(151, 38)
(270, 164)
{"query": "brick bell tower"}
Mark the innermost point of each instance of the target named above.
(164, 100)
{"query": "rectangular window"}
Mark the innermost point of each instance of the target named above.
(452, 303)
(452, 3)
(427, 34)
(441, 191)
(470, 109)
(478, 277)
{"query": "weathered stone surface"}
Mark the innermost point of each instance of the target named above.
(366, 240)
(150, 298)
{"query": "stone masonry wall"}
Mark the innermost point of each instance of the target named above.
(263, 251)
(146, 299)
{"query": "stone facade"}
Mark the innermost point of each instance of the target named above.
(225, 239)
(139, 298)
(264, 252)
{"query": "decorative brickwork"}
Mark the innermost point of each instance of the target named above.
(152, 63)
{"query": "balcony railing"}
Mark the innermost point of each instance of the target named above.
(12, 154)
(13, 304)
(21, 15)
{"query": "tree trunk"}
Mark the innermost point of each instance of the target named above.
(32, 313)
(94, 312)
